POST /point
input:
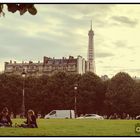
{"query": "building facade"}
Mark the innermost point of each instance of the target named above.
(49, 66)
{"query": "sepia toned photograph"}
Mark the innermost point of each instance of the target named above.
(69, 69)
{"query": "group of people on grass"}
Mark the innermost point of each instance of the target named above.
(5, 120)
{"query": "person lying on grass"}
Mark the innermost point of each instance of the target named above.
(5, 120)
(31, 120)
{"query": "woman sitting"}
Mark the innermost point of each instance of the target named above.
(5, 120)
(31, 120)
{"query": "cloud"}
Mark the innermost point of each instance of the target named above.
(84, 9)
(112, 67)
(125, 20)
(62, 29)
(18, 45)
(135, 70)
(120, 43)
(100, 61)
(103, 54)
(124, 44)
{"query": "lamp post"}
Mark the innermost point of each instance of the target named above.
(75, 99)
(23, 94)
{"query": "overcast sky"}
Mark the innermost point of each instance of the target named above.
(62, 30)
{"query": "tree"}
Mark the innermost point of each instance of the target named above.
(60, 91)
(135, 110)
(10, 92)
(22, 8)
(91, 94)
(119, 93)
(46, 93)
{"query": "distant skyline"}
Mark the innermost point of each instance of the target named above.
(60, 30)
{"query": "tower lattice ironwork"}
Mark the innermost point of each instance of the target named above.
(91, 50)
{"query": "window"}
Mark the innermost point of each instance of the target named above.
(89, 115)
(53, 112)
(9, 68)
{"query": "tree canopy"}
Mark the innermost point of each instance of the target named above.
(118, 95)
(22, 8)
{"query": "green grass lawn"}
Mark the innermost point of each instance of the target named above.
(73, 127)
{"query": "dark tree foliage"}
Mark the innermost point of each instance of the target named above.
(136, 100)
(119, 93)
(91, 94)
(22, 8)
(46, 93)
(10, 92)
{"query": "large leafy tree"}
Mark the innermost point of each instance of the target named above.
(135, 110)
(119, 93)
(60, 91)
(10, 92)
(90, 94)
(33, 93)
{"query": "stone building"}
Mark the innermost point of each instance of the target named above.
(49, 66)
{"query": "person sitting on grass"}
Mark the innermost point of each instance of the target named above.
(5, 120)
(31, 120)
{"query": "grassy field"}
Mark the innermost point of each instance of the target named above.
(73, 127)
